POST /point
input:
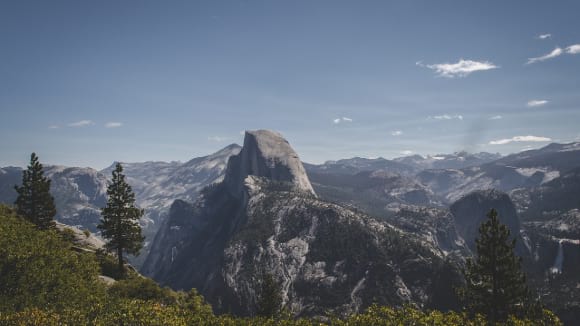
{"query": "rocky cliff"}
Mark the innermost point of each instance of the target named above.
(266, 154)
(265, 218)
(471, 210)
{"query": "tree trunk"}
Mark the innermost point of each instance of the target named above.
(120, 256)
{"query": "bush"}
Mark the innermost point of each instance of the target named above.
(109, 265)
(137, 287)
(68, 235)
(38, 269)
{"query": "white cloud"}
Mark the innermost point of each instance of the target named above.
(544, 36)
(447, 117)
(53, 127)
(573, 49)
(496, 117)
(396, 132)
(536, 103)
(113, 124)
(407, 152)
(217, 138)
(555, 53)
(81, 123)
(519, 139)
(343, 119)
(462, 68)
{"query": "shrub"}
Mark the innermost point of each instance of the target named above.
(38, 269)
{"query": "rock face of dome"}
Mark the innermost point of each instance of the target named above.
(266, 154)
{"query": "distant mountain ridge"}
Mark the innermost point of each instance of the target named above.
(158, 184)
(457, 160)
(80, 192)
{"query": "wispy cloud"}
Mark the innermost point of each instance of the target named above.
(113, 124)
(396, 132)
(555, 53)
(343, 119)
(447, 117)
(544, 36)
(81, 123)
(519, 139)
(217, 138)
(53, 127)
(496, 117)
(462, 68)
(536, 103)
(407, 152)
(573, 49)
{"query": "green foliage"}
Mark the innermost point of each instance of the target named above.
(68, 235)
(270, 299)
(34, 201)
(139, 312)
(194, 303)
(142, 288)
(38, 269)
(495, 285)
(44, 282)
(120, 223)
(109, 265)
(386, 316)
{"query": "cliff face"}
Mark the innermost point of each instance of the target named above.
(265, 218)
(187, 248)
(471, 210)
(266, 154)
(326, 257)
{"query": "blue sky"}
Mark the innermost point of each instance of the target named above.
(85, 83)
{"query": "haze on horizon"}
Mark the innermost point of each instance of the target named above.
(88, 83)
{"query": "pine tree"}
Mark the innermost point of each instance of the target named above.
(270, 299)
(120, 222)
(34, 201)
(495, 285)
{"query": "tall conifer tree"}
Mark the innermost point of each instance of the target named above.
(34, 201)
(270, 299)
(495, 285)
(120, 222)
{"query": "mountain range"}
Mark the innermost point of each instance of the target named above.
(340, 235)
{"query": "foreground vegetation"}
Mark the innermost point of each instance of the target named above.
(44, 282)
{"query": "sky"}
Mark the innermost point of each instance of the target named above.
(86, 83)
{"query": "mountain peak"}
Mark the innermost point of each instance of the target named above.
(266, 154)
